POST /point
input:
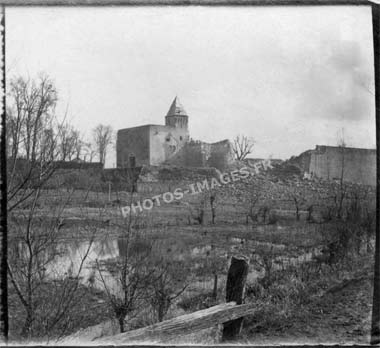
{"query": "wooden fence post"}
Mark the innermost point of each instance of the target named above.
(236, 278)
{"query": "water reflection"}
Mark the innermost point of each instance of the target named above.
(83, 256)
(69, 260)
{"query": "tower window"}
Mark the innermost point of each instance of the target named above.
(180, 138)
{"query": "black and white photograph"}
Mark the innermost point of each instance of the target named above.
(190, 174)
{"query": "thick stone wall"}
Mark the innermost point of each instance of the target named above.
(221, 155)
(201, 154)
(332, 162)
(133, 142)
(150, 144)
(78, 165)
(165, 143)
(355, 165)
(124, 179)
(302, 161)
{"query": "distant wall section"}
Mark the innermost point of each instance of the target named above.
(133, 142)
(201, 154)
(353, 164)
(333, 162)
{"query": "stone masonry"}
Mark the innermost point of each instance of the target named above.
(333, 163)
(169, 144)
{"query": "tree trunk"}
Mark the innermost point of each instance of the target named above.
(297, 214)
(369, 249)
(162, 308)
(215, 289)
(27, 328)
(213, 215)
(310, 214)
(236, 278)
(121, 324)
(201, 217)
(160, 313)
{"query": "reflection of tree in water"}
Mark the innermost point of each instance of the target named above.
(106, 248)
(122, 245)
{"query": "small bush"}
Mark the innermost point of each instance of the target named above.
(197, 302)
(273, 219)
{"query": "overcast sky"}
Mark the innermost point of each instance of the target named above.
(290, 77)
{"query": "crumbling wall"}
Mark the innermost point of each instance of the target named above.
(190, 155)
(167, 178)
(302, 161)
(201, 154)
(221, 155)
(165, 142)
(353, 164)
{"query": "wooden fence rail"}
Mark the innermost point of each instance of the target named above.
(230, 314)
(182, 325)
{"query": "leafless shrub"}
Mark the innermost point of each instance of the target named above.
(168, 283)
(242, 146)
(264, 258)
(103, 137)
(33, 250)
(33, 148)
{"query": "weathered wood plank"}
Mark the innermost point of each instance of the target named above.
(182, 325)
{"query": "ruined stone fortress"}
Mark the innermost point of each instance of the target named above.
(155, 145)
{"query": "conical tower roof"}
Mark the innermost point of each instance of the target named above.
(176, 109)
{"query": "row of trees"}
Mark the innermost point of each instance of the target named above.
(47, 300)
(36, 139)
(34, 130)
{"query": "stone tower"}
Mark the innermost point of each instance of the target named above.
(177, 116)
(154, 144)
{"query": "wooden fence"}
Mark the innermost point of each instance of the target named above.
(230, 314)
(182, 325)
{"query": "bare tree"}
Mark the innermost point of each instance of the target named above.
(78, 144)
(133, 276)
(69, 142)
(31, 137)
(32, 104)
(250, 194)
(213, 203)
(264, 258)
(88, 151)
(216, 265)
(341, 192)
(298, 194)
(131, 269)
(103, 137)
(31, 255)
(242, 146)
(168, 283)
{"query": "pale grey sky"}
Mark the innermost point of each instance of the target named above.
(290, 77)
